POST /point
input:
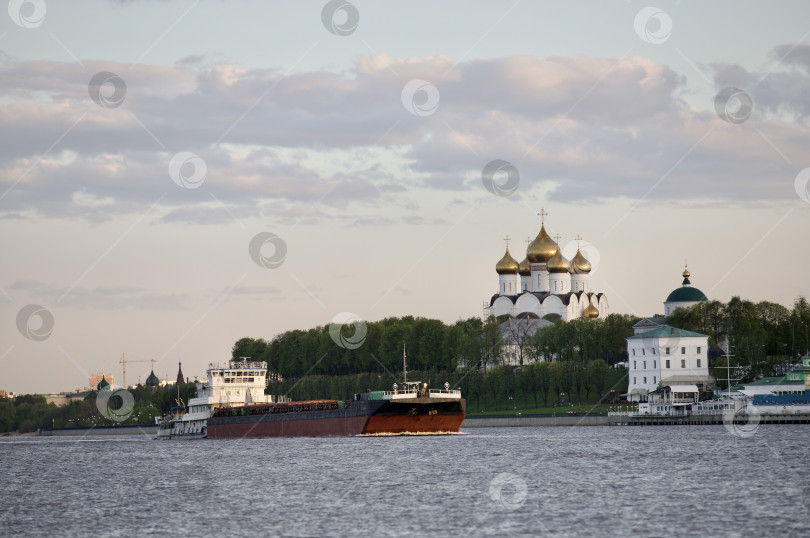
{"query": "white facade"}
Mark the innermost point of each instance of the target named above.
(666, 356)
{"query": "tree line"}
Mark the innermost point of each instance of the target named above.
(28, 413)
(431, 344)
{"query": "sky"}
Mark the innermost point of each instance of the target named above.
(177, 175)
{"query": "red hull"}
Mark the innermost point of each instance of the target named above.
(414, 424)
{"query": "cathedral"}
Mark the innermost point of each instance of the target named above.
(544, 283)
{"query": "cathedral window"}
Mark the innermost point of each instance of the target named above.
(698, 349)
(667, 351)
(645, 379)
(698, 363)
(643, 351)
(683, 363)
(655, 364)
(654, 381)
(667, 363)
(683, 351)
(645, 366)
(634, 354)
(634, 365)
(634, 380)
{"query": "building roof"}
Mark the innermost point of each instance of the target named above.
(152, 380)
(686, 294)
(767, 381)
(666, 331)
(651, 322)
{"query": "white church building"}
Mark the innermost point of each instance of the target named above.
(544, 283)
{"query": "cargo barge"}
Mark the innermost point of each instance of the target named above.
(412, 410)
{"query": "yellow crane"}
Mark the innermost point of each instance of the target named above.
(124, 362)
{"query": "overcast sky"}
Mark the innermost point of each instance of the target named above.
(147, 144)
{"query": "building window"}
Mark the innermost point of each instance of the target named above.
(634, 365)
(653, 351)
(683, 351)
(634, 352)
(655, 364)
(645, 379)
(698, 349)
(634, 380)
(683, 363)
(645, 365)
(667, 351)
(698, 363)
(654, 381)
(643, 351)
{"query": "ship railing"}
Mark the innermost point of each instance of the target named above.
(439, 393)
(237, 365)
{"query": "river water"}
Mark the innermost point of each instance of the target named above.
(527, 481)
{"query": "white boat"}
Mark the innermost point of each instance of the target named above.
(236, 383)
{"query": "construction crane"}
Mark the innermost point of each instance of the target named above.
(124, 362)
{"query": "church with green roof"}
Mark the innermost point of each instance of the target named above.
(683, 297)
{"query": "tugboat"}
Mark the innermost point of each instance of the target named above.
(237, 383)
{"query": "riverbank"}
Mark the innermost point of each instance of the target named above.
(629, 420)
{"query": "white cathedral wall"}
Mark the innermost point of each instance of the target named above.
(559, 282)
(539, 277)
(501, 306)
(529, 303)
(508, 285)
(525, 282)
(580, 283)
(553, 305)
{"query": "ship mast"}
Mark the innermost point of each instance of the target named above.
(404, 365)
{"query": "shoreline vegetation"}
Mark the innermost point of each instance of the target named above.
(764, 338)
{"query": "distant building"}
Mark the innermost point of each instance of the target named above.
(95, 379)
(152, 380)
(180, 379)
(515, 337)
(683, 297)
(665, 356)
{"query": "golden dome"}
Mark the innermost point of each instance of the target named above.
(525, 268)
(542, 248)
(590, 311)
(580, 264)
(507, 265)
(686, 273)
(558, 263)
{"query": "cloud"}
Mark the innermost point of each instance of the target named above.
(577, 128)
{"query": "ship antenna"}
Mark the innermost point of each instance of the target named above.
(404, 365)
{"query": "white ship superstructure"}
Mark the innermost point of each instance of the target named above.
(227, 385)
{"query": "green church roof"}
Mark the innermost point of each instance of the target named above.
(665, 331)
(152, 380)
(686, 294)
(102, 384)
